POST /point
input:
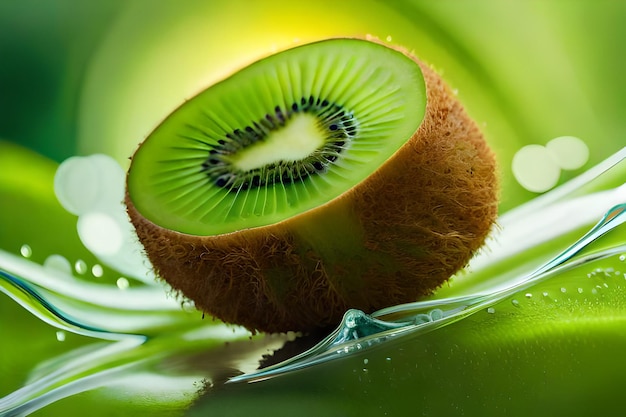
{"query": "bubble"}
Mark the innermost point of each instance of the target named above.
(569, 152)
(535, 169)
(436, 314)
(26, 251)
(100, 233)
(122, 283)
(188, 305)
(60, 336)
(97, 271)
(80, 266)
(58, 263)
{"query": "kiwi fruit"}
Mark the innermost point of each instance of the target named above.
(338, 174)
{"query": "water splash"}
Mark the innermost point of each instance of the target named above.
(425, 316)
(358, 330)
(140, 329)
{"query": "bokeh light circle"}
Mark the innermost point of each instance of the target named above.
(569, 152)
(535, 168)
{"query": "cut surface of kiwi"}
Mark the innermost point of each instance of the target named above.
(282, 136)
(338, 174)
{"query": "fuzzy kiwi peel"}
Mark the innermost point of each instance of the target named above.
(390, 234)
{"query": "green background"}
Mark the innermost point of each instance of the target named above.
(84, 77)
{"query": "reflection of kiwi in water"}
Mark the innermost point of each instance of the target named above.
(339, 174)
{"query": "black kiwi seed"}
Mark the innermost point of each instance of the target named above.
(341, 126)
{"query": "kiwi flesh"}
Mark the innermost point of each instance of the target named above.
(338, 174)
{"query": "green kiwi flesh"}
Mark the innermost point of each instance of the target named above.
(278, 138)
(334, 175)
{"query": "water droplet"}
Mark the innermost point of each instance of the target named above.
(528, 295)
(563, 290)
(422, 318)
(97, 271)
(80, 266)
(545, 293)
(122, 283)
(389, 38)
(61, 336)
(594, 291)
(58, 263)
(26, 251)
(622, 258)
(188, 306)
(436, 314)
(388, 359)
(365, 361)
(491, 310)
(351, 319)
(515, 303)
(580, 291)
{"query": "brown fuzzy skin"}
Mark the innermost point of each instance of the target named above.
(391, 239)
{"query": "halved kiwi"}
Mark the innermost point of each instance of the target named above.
(334, 175)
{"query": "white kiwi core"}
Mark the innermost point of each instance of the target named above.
(294, 142)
